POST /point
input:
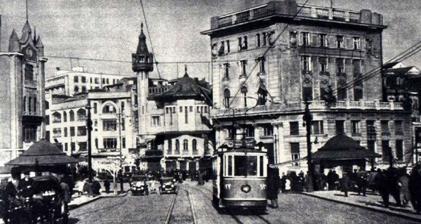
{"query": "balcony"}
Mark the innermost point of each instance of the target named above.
(157, 90)
(289, 8)
(299, 107)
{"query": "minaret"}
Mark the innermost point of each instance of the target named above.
(142, 64)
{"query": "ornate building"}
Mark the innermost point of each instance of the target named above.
(22, 77)
(269, 58)
(173, 131)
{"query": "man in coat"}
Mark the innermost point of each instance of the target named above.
(415, 187)
(273, 185)
(345, 183)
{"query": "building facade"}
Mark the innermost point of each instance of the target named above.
(267, 60)
(22, 76)
(172, 131)
(114, 126)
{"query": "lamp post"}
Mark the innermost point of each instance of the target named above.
(308, 118)
(120, 148)
(89, 129)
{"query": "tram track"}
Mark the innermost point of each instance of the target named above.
(237, 218)
(169, 218)
(170, 209)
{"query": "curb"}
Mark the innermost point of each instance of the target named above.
(364, 207)
(71, 207)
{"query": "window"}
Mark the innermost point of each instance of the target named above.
(65, 132)
(83, 89)
(30, 134)
(75, 79)
(76, 89)
(109, 125)
(268, 130)
(206, 146)
(156, 121)
(123, 124)
(24, 104)
(306, 63)
(81, 131)
(385, 127)
(295, 153)
(229, 170)
(293, 38)
(186, 115)
(294, 128)
(123, 142)
(83, 79)
(96, 80)
(398, 128)
(185, 146)
(355, 128)
(56, 117)
(356, 43)
(194, 146)
(227, 96)
(81, 115)
(110, 143)
(242, 43)
(317, 127)
(305, 38)
(72, 147)
(122, 106)
(245, 165)
(90, 80)
(95, 108)
(227, 42)
(339, 127)
(71, 115)
(64, 116)
(181, 109)
(258, 39)
(340, 41)
(358, 86)
(399, 150)
(262, 65)
(191, 108)
(72, 131)
(371, 130)
(35, 103)
(249, 131)
(108, 109)
(29, 72)
(371, 145)
(243, 64)
(226, 71)
(323, 64)
(385, 151)
(169, 151)
(323, 40)
(340, 65)
(177, 147)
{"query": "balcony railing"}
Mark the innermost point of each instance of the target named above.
(299, 106)
(289, 10)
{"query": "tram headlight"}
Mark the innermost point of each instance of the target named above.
(245, 188)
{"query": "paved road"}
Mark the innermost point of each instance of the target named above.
(193, 202)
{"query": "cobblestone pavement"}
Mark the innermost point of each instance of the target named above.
(193, 205)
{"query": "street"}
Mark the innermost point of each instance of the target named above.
(193, 205)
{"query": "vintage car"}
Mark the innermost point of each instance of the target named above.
(168, 185)
(138, 185)
(153, 186)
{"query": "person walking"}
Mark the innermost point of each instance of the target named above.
(273, 185)
(283, 182)
(345, 183)
(107, 185)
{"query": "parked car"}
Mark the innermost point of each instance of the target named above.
(153, 186)
(138, 185)
(168, 185)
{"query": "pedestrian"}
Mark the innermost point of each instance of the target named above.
(96, 187)
(403, 183)
(107, 185)
(273, 185)
(382, 185)
(330, 180)
(283, 182)
(415, 187)
(66, 193)
(362, 183)
(345, 183)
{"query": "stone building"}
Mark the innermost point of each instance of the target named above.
(173, 133)
(267, 62)
(22, 77)
(113, 117)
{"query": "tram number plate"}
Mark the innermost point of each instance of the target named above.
(228, 186)
(262, 186)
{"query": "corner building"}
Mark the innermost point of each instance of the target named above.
(319, 52)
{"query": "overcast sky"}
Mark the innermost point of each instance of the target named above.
(108, 29)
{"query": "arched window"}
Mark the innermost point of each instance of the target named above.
(227, 96)
(185, 146)
(76, 89)
(177, 146)
(108, 109)
(56, 117)
(194, 146)
(64, 116)
(81, 114)
(71, 115)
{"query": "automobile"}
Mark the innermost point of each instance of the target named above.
(168, 185)
(138, 185)
(153, 186)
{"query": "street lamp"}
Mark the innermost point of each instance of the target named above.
(308, 118)
(89, 129)
(120, 148)
(244, 92)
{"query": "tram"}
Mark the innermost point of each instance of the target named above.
(240, 174)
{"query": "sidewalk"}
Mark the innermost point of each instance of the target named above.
(79, 200)
(371, 201)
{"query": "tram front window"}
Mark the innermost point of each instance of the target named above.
(245, 165)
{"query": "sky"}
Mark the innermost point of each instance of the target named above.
(109, 29)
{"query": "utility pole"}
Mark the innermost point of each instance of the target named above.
(120, 148)
(89, 129)
(308, 118)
